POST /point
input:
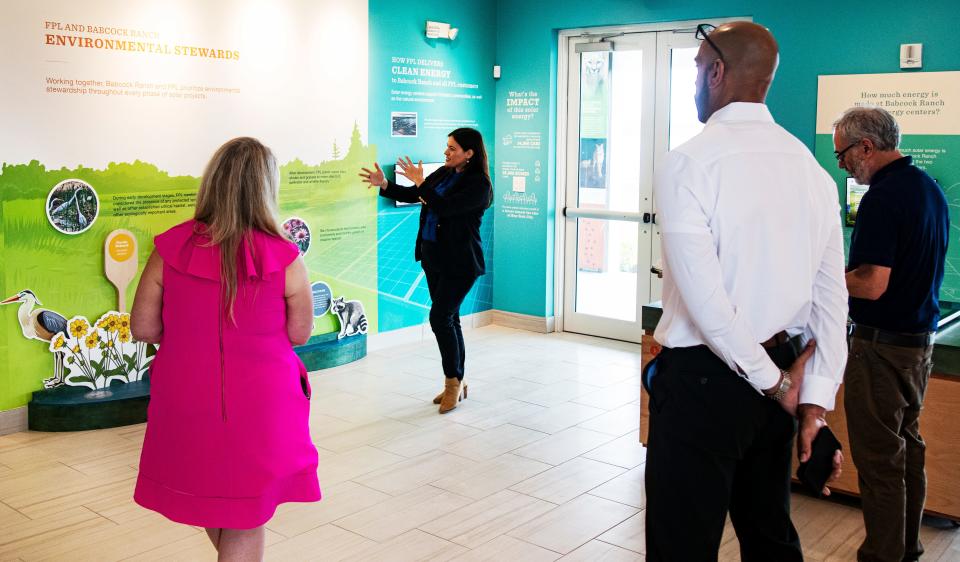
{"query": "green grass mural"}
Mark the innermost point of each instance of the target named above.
(66, 271)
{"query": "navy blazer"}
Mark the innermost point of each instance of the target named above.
(457, 251)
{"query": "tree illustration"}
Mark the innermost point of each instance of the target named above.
(356, 145)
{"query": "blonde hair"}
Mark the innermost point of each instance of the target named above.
(238, 194)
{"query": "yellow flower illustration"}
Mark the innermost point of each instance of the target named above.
(75, 349)
(124, 335)
(124, 321)
(92, 340)
(109, 343)
(110, 323)
(78, 328)
(59, 342)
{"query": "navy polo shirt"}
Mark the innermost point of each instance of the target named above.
(902, 224)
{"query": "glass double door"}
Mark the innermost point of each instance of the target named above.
(629, 99)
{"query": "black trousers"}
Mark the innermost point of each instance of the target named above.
(716, 445)
(447, 293)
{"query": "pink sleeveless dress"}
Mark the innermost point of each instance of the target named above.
(227, 436)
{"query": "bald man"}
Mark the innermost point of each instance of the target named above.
(754, 315)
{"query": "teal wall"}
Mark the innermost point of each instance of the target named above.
(816, 37)
(397, 30)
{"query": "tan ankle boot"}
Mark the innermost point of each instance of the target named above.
(439, 398)
(453, 392)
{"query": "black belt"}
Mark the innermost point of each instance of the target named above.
(877, 335)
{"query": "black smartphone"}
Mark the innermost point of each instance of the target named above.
(814, 473)
(305, 385)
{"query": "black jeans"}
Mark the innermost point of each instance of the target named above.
(716, 445)
(447, 293)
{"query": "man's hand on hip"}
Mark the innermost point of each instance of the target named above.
(811, 420)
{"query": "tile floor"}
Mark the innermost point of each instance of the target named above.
(542, 462)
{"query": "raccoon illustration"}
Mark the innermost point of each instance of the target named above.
(352, 319)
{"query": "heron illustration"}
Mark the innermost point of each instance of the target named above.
(40, 324)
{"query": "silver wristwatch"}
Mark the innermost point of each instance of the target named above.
(785, 383)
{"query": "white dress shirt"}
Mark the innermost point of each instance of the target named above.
(752, 246)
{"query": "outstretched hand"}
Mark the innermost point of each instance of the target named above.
(409, 170)
(373, 177)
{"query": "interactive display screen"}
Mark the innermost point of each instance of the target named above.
(855, 193)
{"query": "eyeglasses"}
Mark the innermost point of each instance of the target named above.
(839, 155)
(703, 32)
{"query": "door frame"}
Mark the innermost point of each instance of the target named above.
(643, 44)
(562, 132)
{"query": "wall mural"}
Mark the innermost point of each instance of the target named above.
(119, 108)
(420, 90)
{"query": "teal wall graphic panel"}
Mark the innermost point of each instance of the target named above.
(420, 90)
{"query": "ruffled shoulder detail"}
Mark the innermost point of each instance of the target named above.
(267, 254)
(186, 248)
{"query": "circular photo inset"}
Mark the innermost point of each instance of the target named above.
(298, 232)
(322, 297)
(72, 206)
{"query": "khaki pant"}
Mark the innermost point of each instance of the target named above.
(883, 395)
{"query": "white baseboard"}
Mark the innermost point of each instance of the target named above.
(422, 332)
(13, 421)
(539, 324)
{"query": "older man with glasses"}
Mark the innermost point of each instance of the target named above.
(894, 274)
(753, 274)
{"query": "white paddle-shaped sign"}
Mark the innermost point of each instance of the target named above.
(120, 263)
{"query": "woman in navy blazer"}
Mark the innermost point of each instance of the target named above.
(448, 243)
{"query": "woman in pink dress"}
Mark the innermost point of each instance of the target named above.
(228, 437)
